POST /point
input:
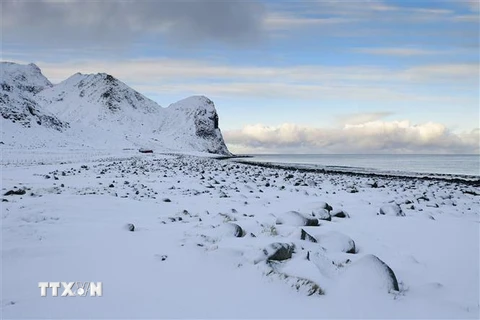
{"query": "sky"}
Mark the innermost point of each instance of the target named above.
(326, 76)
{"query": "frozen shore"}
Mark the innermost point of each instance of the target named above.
(224, 239)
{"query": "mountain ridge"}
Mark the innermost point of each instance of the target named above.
(99, 110)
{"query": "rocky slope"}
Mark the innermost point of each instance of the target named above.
(100, 111)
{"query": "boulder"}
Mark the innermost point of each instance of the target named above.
(232, 229)
(370, 273)
(324, 205)
(17, 192)
(278, 251)
(130, 227)
(294, 218)
(322, 214)
(338, 213)
(391, 210)
(336, 241)
(237, 230)
(304, 235)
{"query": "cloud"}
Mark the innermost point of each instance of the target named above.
(444, 73)
(319, 84)
(368, 137)
(467, 18)
(75, 23)
(282, 21)
(406, 52)
(352, 77)
(474, 5)
(359, 118)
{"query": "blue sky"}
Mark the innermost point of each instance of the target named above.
(305, 76)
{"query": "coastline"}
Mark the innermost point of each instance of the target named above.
(350, 171)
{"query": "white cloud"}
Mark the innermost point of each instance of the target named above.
(374, 136)
(467, 18)
(359, 118)
(444, 72)
(474, 5)
(287, 21)
(397, 51)
(170, 70)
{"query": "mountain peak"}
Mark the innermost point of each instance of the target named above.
(34, 67)
(18, 87)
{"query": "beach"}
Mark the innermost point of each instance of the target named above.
(229, 239)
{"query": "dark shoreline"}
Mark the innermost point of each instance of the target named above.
(438, 177)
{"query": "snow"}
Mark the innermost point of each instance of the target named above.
(183, 259)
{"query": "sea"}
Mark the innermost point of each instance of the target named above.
(462, 165)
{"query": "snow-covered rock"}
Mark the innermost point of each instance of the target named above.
(294, 218)
(322, 214)
(369, 273)
(391, 210)
(336, 241)
(231, 229)
(304, 235)
(339, 213)
(277, 252)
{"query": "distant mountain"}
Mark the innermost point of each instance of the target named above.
(98, 110)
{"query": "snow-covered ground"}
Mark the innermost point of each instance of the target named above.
(219, 239)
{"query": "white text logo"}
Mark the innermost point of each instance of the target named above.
(71, 289)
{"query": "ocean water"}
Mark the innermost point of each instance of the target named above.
(433, 164)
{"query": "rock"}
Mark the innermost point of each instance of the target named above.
(130, 227)
(324, 205)
(322, 214)
(294, 218)
(166, 200)
(336, 241)
(304, 235)
(369, 273)
(279, 251)
(232, 229)
(18, 192)
(238, 231)
(338, 213)
(391, 210)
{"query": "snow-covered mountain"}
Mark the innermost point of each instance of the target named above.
(19, 84)
(199, 120)
(100, 111)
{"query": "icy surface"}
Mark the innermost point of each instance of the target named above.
(186, 258)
